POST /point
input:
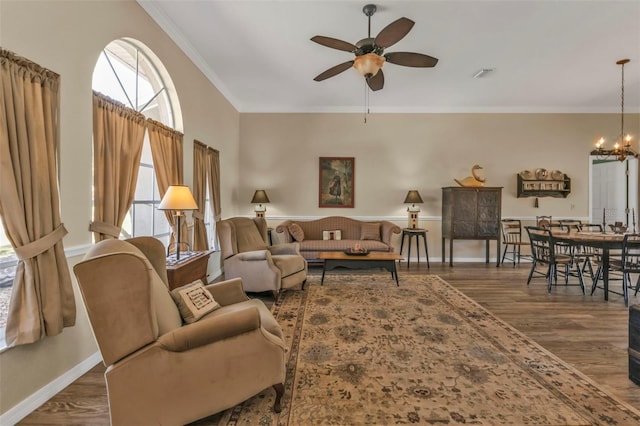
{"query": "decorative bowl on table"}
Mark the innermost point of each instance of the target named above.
(356, 252)
(618, 229)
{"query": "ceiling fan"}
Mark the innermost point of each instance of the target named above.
(370, 54)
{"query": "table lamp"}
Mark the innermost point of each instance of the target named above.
(260, 197)
(413, 198)
(179, 199)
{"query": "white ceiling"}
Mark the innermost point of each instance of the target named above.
(547, 56)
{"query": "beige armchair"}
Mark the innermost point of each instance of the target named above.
(159, 370)
(243, 242)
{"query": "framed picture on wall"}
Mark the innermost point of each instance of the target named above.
(337, 182)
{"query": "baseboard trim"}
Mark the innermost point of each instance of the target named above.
(31, 403)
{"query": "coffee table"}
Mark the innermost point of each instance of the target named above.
(374, 259)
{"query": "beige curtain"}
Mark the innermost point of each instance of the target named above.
(118, 135)
(166, 150)
(200, 241)
(42, 301)
(213, 175)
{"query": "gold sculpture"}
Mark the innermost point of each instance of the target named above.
(474, 179)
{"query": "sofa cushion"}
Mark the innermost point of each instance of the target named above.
(332, 235)
(267, 321)
(194, 301)
(296, 232)
(289, 263)
(370, 231)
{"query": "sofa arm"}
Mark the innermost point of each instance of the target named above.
(388, 229)
(288, 248)
(283, 228)
(228, 292)
(211, 329)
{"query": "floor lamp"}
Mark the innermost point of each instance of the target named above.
(178, 198)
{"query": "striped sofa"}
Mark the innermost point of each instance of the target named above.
(370, 235)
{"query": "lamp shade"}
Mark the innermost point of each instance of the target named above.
(260, 197)
(368, 65)
(178, 197)
(413, 197)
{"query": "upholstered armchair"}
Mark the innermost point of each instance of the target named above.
(246, 255)
(160, 370)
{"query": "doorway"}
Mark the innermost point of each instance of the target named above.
(613, 188)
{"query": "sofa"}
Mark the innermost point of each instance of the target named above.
(337, 233)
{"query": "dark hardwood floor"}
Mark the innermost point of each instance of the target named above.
(584, 331)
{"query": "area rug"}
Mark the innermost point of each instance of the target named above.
(362, 351)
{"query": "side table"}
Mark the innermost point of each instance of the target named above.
(417, 233)
(188, 269)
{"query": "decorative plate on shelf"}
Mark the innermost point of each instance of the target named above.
(557, 175)
(353, 252)
(541, 174)
(527, 175)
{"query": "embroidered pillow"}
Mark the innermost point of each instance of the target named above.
(296, 232)
(332, 235)
(194, 301)
(370, 231)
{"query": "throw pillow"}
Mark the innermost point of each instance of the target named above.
(332, 235)
(370, 231)
(194, 301)
(296, 232)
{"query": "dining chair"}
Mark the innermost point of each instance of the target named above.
(512, 240)
(543, 252)
(627, 264)
(543, 221)
(590, 256)
(573, 224)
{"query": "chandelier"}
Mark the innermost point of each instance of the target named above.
(622, 148)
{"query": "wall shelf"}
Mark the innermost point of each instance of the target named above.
(557, 188)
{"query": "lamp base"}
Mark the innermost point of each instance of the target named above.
(413, 219)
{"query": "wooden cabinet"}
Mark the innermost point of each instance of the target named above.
(471, 213)
(558, 188)
(188, 270)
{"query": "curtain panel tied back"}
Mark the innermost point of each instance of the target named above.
(118, 136)
(42, 300)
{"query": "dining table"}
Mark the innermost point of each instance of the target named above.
(604, 241)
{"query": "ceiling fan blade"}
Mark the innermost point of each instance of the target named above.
(410, 59)
(334, 43)
(393, 33)
(334, 71)
(376, 82)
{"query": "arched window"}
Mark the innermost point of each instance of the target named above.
(128, 72)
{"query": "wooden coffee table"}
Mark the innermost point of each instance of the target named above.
(384, 260)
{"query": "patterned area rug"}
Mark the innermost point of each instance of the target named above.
(363, 351)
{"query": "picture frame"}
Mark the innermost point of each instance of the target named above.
(336, 182)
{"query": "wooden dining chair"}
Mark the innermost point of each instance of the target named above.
(589, 256)
(543, 221)
(543, 252)
(512, 240)
(627, 264)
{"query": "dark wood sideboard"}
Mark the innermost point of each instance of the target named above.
(471, 213)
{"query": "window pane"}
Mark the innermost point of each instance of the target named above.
(143, 219)
(146, 183)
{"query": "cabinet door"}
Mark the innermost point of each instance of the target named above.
(488, 213)
(464, 213)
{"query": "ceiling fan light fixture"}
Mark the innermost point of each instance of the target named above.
(368, 65)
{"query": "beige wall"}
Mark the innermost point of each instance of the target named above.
(397, 152)
(67, 37)
(277, 152)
